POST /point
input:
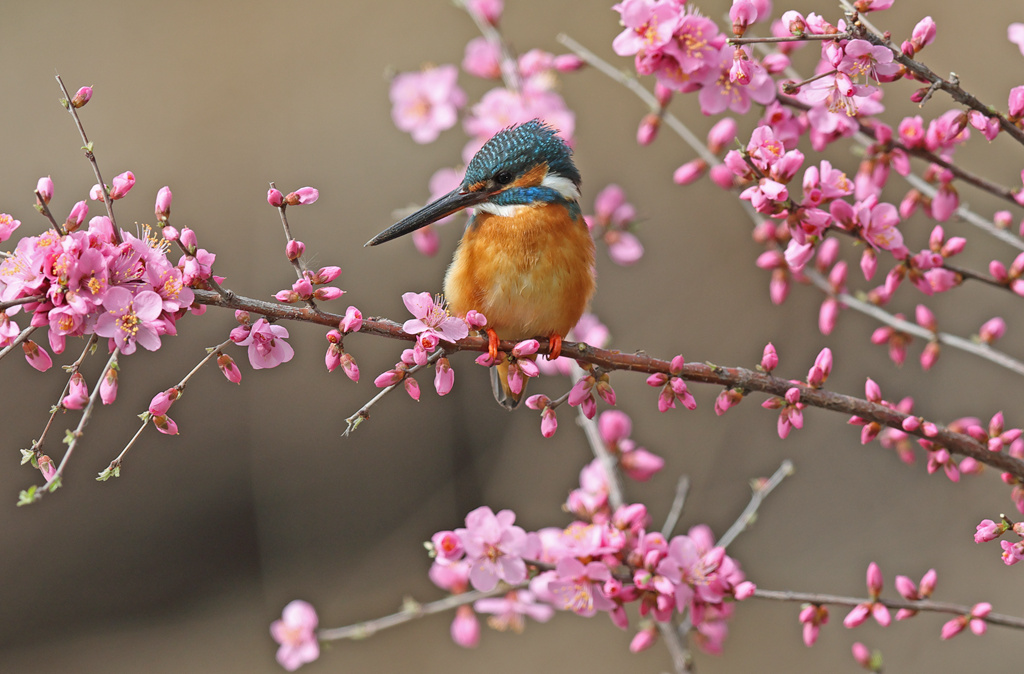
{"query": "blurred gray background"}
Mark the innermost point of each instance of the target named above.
(182, 563)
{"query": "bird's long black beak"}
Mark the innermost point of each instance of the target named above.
(454, 201)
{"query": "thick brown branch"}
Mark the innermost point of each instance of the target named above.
(707, 373)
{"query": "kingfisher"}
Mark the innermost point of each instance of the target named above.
(526, 259)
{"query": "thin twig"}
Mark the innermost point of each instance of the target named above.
(87, 146)
(597, 446)
(34, 493)
(682, 489)
(762, 490)
(681, 659)
(363, 413)
(411, 611)
(919, 605)
(115, 465)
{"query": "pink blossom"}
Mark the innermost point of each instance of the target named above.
(482, 58)
(267, 347)
(872, 62)
(489, 10)
(426, 103)
(511, 611)
(720, 92)
(1015, 34)
(131, 319)
(578, 586)
(275, 198)
(7, 226)
(296, 632)
(494, 548)
(649, 26)
(432, 318)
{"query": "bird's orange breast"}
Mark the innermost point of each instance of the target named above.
(531, 274)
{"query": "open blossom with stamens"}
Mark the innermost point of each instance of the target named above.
(130, 319)
(494, 548)
(267, 347)
(432, 318)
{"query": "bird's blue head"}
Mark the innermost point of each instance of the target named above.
(518, 166)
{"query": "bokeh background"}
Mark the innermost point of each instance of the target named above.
(182, 563)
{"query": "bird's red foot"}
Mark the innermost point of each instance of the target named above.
(492, 344)
(556, 346)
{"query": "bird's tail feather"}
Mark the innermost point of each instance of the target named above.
(499, 385)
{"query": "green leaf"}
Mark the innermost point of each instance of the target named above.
(27, 496)
(28, 455)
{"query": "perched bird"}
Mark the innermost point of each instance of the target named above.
(526, 259)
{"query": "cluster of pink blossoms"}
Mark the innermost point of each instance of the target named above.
(600, 563)
(97, 281)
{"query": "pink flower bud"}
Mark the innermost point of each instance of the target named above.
(163, 203)
(302, 196)
(444, 377)
(648, 129)
(162, 401)
(1016, 102)
(663, 94)
(78, 393)
(643, 640)
(874, 580)
(690, 171)
(862, 655)
(81, 97)
(769, 358)
(36, 356)
(294, 249)
(923, 33)
(352, 321)
(741, 14)
(992, 330)
(794, 22)
(275, 198)
(121, 184)
(165, 425)
(44, 188)
(328, 293)
(412, 387)
(567, 63)
(77, 216)
(465, 628)
(108, 387)
(427, 240)
(229, 369)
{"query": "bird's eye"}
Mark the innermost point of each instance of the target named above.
(503, 177)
